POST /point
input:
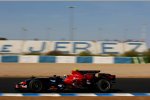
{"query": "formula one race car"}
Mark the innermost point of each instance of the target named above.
(79, 79)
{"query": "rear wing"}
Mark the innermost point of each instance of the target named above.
(88, 71)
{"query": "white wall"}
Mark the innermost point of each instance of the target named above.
(72, 47)
(11, 46)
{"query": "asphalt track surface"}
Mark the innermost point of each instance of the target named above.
(123, 85)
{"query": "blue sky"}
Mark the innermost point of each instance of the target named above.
(93, 20)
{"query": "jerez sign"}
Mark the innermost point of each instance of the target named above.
(71, 47)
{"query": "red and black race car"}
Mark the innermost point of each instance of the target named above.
(78, 79)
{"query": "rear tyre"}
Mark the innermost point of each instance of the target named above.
(103, 85)
(36, 85)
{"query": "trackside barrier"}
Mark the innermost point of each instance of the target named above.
(47, 59)
(8, 59)
(71, 59)
(123, 60)
(66, 59)
(103, 60)
(141, 60)
(28, 59)
(72, 94)
(84, 60)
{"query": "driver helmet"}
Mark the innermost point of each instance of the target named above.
(65, 75)
(76, 69)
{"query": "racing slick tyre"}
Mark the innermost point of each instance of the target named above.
(36, 85)
(103, 85)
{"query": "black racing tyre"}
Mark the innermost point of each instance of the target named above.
(103, 85)
(36, 85)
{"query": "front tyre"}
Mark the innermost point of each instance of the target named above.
(36, 85)
(103, 85)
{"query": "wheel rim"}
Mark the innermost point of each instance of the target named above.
(104, 85)
(36, 86)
